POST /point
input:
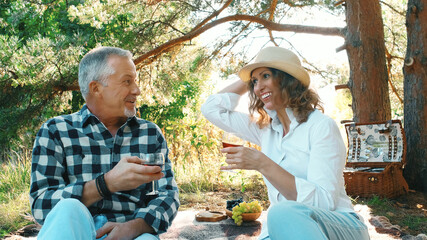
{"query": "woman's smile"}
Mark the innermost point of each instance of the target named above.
(265, 96)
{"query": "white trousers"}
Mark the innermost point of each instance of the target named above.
(293, 220)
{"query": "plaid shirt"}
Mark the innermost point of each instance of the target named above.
(73, 149)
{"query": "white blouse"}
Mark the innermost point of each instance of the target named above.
(314, 151)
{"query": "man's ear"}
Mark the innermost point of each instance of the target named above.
(94, 88)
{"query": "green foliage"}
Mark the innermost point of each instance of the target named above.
(42, 42)
(28, 78)
(38, 59)
(167, 115)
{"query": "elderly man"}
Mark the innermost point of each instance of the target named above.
(87, 178)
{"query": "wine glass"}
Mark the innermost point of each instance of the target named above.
(153, 159)
(231, 140)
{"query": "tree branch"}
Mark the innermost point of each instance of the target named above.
(392, 8)
(63, 88)
(320, 72)
(267, 24)
(229, 41)
(270, 18)
(336, 4)
(214, 14)
(341, 86)
(292, 4)
(389, 57)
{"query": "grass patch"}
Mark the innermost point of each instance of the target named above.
(14, 188)
(408, 211)
(380, 205)
(15, 214)
(418, 224)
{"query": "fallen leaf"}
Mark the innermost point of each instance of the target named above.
(402, 205)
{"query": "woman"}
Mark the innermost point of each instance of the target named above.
(303, 154)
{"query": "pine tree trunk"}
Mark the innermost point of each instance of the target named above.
(365, 47)
(415, 91)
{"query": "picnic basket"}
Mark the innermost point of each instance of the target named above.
(375, 159)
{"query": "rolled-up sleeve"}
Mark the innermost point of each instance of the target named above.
(325, 167)
(219, 109)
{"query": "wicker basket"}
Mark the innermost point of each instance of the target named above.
(375, 159)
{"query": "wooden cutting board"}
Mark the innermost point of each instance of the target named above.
(210, 216)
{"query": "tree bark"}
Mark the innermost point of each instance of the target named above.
(364, 42)
(415, 92)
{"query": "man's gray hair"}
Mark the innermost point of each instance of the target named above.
(94, 66)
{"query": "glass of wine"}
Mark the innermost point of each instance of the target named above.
(153, 159)
(231, 140)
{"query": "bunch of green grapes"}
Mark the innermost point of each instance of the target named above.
(244, 207)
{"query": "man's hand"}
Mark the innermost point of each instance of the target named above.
(129, 174)
(126, 230)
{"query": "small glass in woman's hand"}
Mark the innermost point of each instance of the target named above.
(231, 140)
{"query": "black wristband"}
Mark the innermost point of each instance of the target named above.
(97, 187)
(102, 186)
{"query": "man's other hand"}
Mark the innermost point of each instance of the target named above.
(126, 230)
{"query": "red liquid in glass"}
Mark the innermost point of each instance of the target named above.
(153, 164)
(149, 197)
(226, 145)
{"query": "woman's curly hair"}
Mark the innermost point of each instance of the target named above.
(298, 97)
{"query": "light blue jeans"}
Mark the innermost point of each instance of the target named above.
(293, 220)
(71, 220)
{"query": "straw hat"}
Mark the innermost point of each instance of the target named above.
(278, 58)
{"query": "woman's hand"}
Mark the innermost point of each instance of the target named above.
(252, 159)
(244, 158)
(238, 87)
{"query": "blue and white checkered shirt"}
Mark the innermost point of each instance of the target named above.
(73, 149)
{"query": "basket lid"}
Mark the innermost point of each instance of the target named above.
(375, 144)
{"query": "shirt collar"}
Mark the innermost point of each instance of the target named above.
(276, 124)
(86, 115)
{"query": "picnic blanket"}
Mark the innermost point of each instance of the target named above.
(186, 227)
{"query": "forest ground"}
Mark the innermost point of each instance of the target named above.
(404, 217)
